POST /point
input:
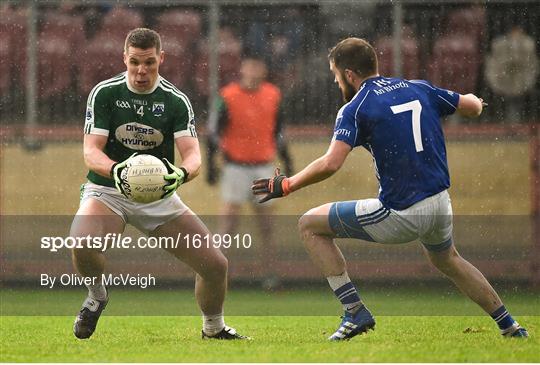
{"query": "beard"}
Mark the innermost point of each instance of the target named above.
(348, 92)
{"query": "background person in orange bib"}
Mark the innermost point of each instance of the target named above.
(248, 130)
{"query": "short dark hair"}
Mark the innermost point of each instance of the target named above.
(143, 38)
(355, 54)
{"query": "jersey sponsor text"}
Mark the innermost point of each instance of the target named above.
(138, 136)
(385, 89)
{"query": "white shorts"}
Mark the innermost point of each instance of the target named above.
(237, 181)
(144, 217)
(429, 220)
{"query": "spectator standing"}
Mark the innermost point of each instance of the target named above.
(512, 70)
(248, 130)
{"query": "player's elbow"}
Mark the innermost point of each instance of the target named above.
(86, 157)
(469, 106)
(89, 157)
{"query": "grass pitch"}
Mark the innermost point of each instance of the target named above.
(276, 338)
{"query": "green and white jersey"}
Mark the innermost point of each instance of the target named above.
(134, 122)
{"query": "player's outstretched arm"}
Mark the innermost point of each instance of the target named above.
(469, 105)
(94, 157)
(320, 169)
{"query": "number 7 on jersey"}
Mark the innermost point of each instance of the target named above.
(416, 109)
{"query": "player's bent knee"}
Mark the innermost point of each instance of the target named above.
(303, 223)
(215, 269)
(446, 261)
(315, 222)
(308, 220)
(306, 225)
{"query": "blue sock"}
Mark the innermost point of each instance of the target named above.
(345, 291)
(503, 318)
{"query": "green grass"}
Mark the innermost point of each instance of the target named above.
(393, 300)
(275, 339)
(280, 337)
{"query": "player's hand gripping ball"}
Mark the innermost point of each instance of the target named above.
(140, 178)
(175, 177)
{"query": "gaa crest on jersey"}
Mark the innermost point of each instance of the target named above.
(158, 108)
(139, 137)
(123, 104)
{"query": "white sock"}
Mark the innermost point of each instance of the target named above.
(213, 324)
(345, 291)
(97, 291)
(338, 281)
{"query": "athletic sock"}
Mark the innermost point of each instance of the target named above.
(213, 324)
(97, 291)
(345, 291)
(503, 319)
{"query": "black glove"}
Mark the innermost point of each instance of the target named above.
(274, 187)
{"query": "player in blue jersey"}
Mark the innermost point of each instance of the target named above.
(398, 122)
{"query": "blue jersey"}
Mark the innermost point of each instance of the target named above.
(398, 122)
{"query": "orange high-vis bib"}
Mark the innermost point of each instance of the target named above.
(250, 133)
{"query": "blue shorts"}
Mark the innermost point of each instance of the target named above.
(429, 220)
(344, 222)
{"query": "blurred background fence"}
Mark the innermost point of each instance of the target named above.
(53, 52)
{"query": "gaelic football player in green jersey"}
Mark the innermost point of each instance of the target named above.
(138, 111)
